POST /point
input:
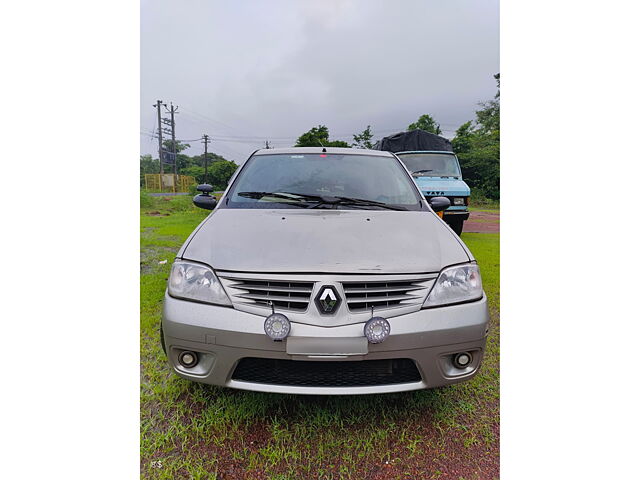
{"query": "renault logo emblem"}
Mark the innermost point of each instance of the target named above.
(328, 300)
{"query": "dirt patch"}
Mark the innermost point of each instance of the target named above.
(482, 222)
(157, 214)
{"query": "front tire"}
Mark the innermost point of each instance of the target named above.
(456, 225)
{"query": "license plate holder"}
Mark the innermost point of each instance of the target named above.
(339, 346)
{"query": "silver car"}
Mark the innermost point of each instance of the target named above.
(324, 271)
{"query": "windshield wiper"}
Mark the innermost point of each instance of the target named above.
(422, 171)
(297, 197)
(356, 202)
(259, 195)
(320, 199)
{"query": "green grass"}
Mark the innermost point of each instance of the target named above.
(479, 201)
(190, 430)
(487, 210)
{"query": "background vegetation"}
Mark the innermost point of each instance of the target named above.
(477, 144)
(219, 169)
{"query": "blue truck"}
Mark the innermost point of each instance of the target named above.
(435, 169)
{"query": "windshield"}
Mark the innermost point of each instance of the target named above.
(431, 164)
(304, 180)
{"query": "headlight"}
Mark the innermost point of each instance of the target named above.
(461, 283)
(458, 200)
(193, 281)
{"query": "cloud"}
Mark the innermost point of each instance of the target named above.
(275, 69)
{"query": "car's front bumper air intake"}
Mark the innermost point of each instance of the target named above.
(366, 373)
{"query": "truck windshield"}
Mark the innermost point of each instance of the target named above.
(431, 164)
(340, 181)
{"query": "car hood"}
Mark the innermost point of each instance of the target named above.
(442, 186)
(324, 241)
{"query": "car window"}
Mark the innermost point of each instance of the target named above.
(431, 164)
(374, 178)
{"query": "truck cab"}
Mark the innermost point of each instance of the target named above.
(437, 174)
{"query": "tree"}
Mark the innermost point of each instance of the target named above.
(182, 160)
(461, 143)
(148, 164)
(363, 139)
(488, 118)
(218, 173)
(319, 137)
(426, 123)
(211, 157)
(337, 143)
(168, 145)
(478, 148)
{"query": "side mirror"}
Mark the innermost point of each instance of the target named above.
(438, 204)
(206, 201)
(204, 188)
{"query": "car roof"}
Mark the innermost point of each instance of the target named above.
(426, 151)
(343, 151)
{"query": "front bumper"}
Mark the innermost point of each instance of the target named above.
(222, 336)
(456, 212)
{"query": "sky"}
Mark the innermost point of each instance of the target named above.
(248, 71)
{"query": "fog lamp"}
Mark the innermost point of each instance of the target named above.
(462, 360)
(377, 329)
(277, 326)
(188, 359)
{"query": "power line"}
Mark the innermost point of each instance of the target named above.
(192, 112)
(259, 137)
(259, 141)
(153, 131)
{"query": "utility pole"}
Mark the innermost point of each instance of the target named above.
(172, 124)
(173, 110)
(158, 105)
(205, 139)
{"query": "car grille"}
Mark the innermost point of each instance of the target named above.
(361, 373)
(285, 295)
(362, 296)
(429, 197)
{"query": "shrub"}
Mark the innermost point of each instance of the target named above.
(480, 200)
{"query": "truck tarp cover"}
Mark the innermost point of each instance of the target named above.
(413, 140)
